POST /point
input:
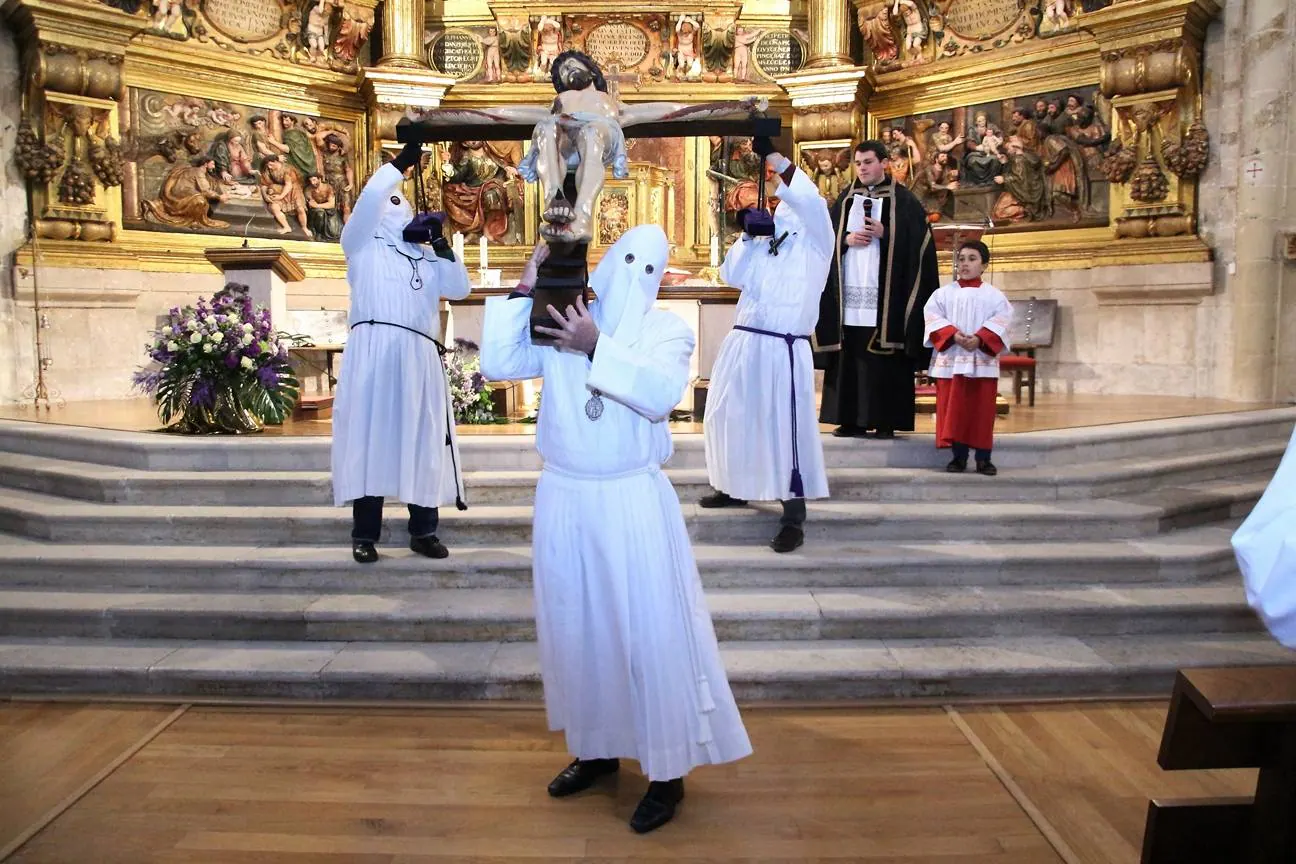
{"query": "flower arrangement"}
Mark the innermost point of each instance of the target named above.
(469, 392)
(219, 367)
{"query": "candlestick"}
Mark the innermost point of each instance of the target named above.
(481, 250)
(715, 251)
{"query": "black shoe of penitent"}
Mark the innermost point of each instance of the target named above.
(363, 552)
(788, 539)
(581, 775)
(429, 546)
(657, 807)
(717, 500)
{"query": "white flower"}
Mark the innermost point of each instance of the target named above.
(211, 320)
(167, 331)
(247, 328)
(195, 337)
(246, 362)
(247, 339)
(191, 323)
(207, 348)
(173, 347)
(215, 337)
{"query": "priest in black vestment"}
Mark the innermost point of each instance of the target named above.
(869, 339)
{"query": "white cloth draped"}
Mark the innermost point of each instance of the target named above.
(1265, 546)
(860, 270)
(392, 412)
(628, 653)
(748, 422)
(968, 309)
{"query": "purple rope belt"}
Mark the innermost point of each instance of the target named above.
(797, 486)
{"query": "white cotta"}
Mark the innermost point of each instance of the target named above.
(392, 415)
(967, 308)
(629, 658)
(860, 267)
(748, 421)
(1265, 547)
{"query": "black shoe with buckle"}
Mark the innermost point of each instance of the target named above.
(581, 775)
(657, 807)
(987, 468)
(363, 552)
(717, 500)
(429, 546)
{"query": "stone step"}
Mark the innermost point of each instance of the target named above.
(1179, 557)
(1087, 446)
(87, 481)
(506, 615)
(45, 517)
(758, 671)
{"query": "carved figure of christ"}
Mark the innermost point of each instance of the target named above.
(582, 129)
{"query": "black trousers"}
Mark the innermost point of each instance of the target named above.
(794, 513)
(866, 390)
(366, 515)
(960, 452)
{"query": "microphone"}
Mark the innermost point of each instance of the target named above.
(868, 208)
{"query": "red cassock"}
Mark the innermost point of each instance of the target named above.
(965, 407)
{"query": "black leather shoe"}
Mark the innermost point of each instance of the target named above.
(848, 432)
(789, 538)
(957, 466)
(717, 500)
(363, 552)
(657, 807)
(581, 775)
(883, 434)
(429, 546)
(987, 468)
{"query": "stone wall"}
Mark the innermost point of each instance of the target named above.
(16, 353)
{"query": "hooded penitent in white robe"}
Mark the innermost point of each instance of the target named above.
(393, 429)
(628, 653)
(749, 424)
(1265, 546)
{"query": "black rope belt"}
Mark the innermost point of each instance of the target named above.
(441, 352)
(796, 486)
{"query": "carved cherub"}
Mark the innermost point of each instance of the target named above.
(744, 39)
(913, 17)
(546, 45)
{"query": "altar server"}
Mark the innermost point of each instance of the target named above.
(628, 653)
(967, 327)
(761, 433)
(393, 422)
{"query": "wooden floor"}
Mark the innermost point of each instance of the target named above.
(1051, 411)
(978, 785)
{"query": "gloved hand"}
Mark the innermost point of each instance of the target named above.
(409, 157)
(763, 145)
(443, 249)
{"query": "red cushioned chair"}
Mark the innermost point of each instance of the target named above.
(1033, 323)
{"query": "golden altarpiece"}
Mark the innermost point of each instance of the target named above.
(156, 129)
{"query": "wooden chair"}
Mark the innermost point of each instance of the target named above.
(1033, 324)
(1229, 718)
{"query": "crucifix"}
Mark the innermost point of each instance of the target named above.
(573, 141)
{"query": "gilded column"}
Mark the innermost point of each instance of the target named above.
(829, 34)
(402, 23)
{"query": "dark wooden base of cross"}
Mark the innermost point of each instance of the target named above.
(564, 276)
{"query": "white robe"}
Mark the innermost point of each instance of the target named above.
(628, 653)
(748, 421)
(393, 433)
(967, 309)
(1265, 546)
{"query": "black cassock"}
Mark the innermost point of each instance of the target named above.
(869, 371)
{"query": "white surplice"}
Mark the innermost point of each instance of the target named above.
(393, 430)
(967, 309)
(748, 423)
(628, 653)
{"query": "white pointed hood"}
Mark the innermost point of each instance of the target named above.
(627, 279)
(397, 213)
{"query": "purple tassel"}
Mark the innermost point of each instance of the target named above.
(798, 488)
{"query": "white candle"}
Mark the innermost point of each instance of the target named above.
(715, 251)
(481, 250)
(457, 243)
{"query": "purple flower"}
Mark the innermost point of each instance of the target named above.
(232, 359)
(268, 377)
(202, 394)
(465, 345)
(478, 382)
